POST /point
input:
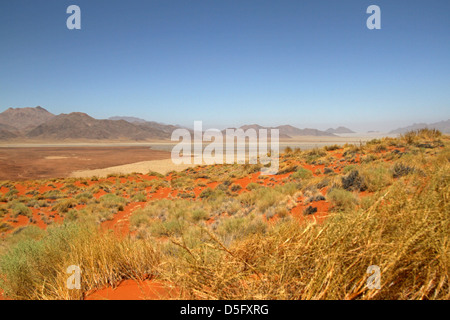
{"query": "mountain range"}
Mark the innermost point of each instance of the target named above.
(443, 126)
(39, 124)
(339, 130)
(287, 131)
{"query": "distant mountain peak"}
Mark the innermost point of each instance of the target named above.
(23, 118)
(42, 109)
(339, 130)
(288, 131)
(128, 119)
(443, 126)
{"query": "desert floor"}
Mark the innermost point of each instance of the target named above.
(45, 160)
(22, 163)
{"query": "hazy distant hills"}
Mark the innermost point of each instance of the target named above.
(339, 130)
(128, 119)
(288, 131)
(81, 126)
(157, 128)
(39, 124)
(294, 132)
(443, 126)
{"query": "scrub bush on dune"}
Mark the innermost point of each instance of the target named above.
(354, 182)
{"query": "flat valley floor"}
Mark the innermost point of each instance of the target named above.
(29, 161)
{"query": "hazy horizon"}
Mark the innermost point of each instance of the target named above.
(229, 63)
(362, 127)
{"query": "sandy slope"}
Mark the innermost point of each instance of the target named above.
(160, 166)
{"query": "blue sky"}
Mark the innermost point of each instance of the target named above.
(228, 63)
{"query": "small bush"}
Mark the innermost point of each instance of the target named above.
(206, 193)
(63, 205)
(400, 170)
(288, 150)
(376, 178)
(113, 201)
(199, 214)
(332, 148)
(139, 197)
(19, 208)
(252, 186)
(302, 173)
(349, 168)
(342, 200)
(309, 210)
(353, 182)
(236, 187)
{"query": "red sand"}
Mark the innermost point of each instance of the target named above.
(134, 290)
(121, 223)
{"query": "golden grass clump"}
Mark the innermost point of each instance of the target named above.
(413, 136)
(36, 269)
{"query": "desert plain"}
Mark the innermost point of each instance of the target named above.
(224, 231)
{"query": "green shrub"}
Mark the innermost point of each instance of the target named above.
(113, 201)
(302, 173)
(252, 186)
(71, 215)
(400, 170)
(342, 200)
(376, 178)
(236, 187)
(19, 208)
(236, 228)
(332, 148)
(199, 214)
(11, 194)
(206, 193)
(349, 168)
(139, 197)
(63, 205)
(140, 218)
(52, 195)
(172, 227)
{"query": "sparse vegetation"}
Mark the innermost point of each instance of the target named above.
(223, 232)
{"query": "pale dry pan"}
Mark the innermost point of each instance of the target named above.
(160, 166)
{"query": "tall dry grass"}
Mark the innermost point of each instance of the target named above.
(36, 269)
(405, 231)
(414, 136)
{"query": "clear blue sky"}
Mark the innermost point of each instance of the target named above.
(305, 63)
